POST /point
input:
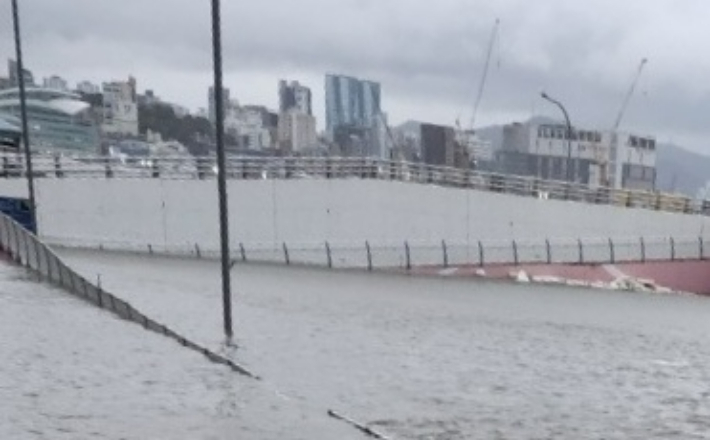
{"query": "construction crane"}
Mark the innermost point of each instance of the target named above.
(629, 95)
(466, 136)
(620, 117)
(484, 77)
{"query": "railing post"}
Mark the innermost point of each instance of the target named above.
(5, 167)
(107, 165)
(672, 249)
(328, 168)
(612, 252)
(481, 255)
(197, 251)
(407, 255)
(581, 251)
(288, 168)
(548, 248)
(199, 161)
(27, 249)
(245, 169)
(58, 166)
(369, 256)
(446, 254)
(516, 258)
(643, 250)
(18, 256)
(329, 255)
(155, 165)
(287, 258)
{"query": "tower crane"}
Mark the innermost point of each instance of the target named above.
(620, 117)
(629, 95)
(484, 77)
(466, 135)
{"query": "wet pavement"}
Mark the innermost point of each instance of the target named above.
(71, 371)
(427, 358)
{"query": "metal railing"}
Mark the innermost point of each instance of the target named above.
(252, 168)
(27, 250)
(413, 254)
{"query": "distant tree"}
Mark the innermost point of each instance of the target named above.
(160, 118)
(96, 100)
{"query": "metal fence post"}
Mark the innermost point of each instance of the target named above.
(612, 253)
(581, 251)
(516, 258)
(672, 249)
(286, 256)
(369, 256)
(481, 255)
(446, 254)
(243, 252)
(408, 256)
(548, 248)
(643, 250)
(329, 255)
(702, 248)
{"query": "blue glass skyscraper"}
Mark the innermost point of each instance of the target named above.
(351, 104)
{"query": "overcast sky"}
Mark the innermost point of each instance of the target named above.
(428, 56)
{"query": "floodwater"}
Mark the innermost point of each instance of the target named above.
(71, 371)
(426, 358)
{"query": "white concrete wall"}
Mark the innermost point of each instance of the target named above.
(176, 215)
(13, 188)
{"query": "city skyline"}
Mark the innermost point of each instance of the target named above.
(584, 54)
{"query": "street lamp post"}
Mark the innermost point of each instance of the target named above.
(23, 113)
(569, 133)
(221, 170)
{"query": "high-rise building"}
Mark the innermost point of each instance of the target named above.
(254, 127)
(294, 96)
(55, 82)
(439, 147)
(13, 76)
(350, 104)
(596, 158)
(88, 88)
(120, 115)
(212, 108)
(297, 132)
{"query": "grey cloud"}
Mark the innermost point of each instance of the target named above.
(428, 55)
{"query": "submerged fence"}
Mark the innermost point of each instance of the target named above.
(412, 254)
(250, 168)
(27, 250)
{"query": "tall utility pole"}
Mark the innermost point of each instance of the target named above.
(221, 170)
(23, 111)
(569, 133)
